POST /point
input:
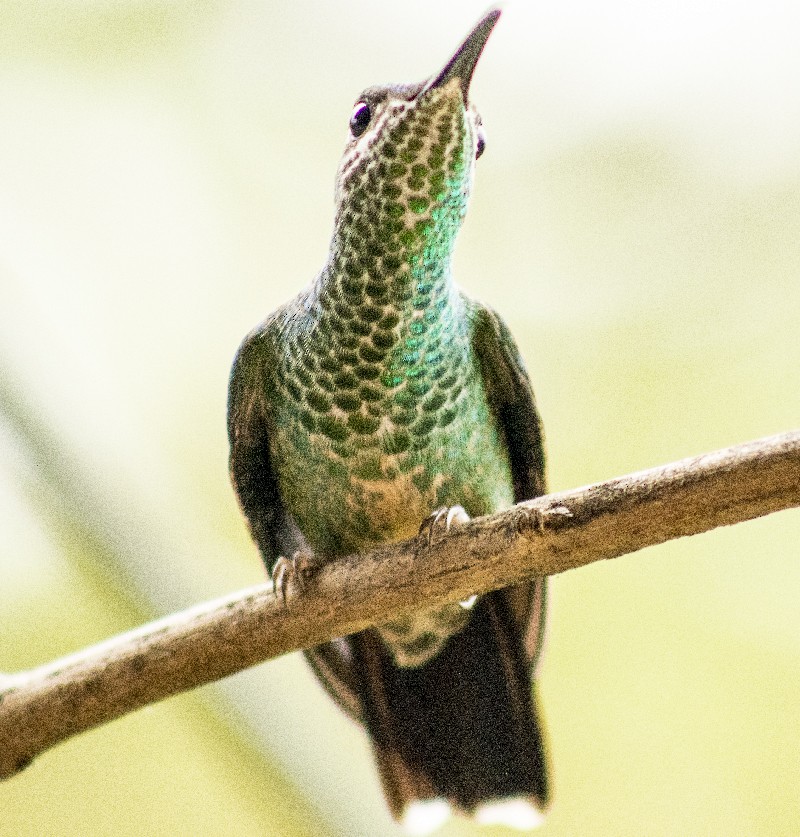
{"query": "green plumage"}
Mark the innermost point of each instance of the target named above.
(382, 393)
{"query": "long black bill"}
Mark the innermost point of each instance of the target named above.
(462, 64)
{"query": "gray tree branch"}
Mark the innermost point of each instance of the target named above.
(40, 707)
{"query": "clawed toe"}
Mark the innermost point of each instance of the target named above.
(443, 518)
(531, 519)
(279, 573)
(537, 520)
(297, 569)
(432, 520)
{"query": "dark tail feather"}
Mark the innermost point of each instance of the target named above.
(464, 726)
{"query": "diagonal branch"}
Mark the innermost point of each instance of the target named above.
(40, 707)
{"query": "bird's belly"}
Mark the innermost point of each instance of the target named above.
(346, 500)
(348, 497)
(391, 510)
(397, 506)
(346, 506)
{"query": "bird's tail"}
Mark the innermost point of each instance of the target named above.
(460, 732)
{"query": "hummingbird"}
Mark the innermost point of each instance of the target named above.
(380, 402)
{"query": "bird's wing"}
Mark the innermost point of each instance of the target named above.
(259, 494)
(511, 400)
(252, 474)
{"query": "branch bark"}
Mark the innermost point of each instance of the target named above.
(40, 707)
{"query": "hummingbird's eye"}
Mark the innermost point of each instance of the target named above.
(480, 142)
(360, 119)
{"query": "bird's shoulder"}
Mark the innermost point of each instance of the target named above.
(258, 357)
(495, 347)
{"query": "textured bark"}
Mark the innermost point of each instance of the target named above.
(549, 535)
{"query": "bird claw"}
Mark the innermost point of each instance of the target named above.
(445, 517)
(536, 519)
(530, 520)
(295, 570)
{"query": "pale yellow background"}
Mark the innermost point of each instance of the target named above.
(166, 179)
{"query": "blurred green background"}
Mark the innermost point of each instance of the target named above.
(166, 179)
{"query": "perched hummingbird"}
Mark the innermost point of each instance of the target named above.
(377, 396)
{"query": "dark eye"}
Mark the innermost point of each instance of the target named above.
(360, 119)
(480, 144)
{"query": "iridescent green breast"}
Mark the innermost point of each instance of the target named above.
(370, 436)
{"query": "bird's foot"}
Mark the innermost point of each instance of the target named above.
(536, 520)
(295, 570)
(441, 521)
(530, 520)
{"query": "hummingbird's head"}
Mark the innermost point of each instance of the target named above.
(406, 173)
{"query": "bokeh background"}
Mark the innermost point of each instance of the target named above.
(166, 179)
